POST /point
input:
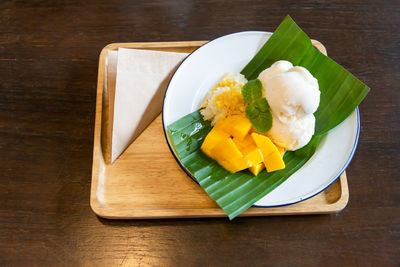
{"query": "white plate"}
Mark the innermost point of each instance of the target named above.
(199, 72)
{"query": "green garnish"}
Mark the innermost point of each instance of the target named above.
(259, 115)
(252, 91)
(257, 111)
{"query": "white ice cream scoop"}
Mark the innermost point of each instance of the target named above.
(292, 135)
(293, 95)
(276, 68)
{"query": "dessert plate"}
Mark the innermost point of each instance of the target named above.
(199, 72)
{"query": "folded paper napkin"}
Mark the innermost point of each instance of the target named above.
(141, 79)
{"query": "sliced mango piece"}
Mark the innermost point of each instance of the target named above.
(274, 162)
(253, 157)
(264, 144)
(220, 124)
(237, 126)
(213, 138)
(235, 147)
(246, 143)
(226, 150)
(272, 158)
(234, 164)
(257, 168)
(227, 154)
(250, 151)
(280, 149)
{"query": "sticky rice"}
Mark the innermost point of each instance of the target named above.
(225, 99)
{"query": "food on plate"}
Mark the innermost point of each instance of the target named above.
(341, 93)
(235, 148)
(224, 99)
(293, 135)
(293, 95)
(280, 104)
(257, 109)
(272, 158)
(276, 68)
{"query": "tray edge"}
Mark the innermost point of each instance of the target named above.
(335, 207)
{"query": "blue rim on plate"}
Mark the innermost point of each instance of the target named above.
(353, 150)
(355, 143)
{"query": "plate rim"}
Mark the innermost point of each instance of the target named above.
(345, 165)
(340, 172)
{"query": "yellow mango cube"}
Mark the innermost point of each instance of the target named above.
(213, 138)
(237, 126)
(226, 150)
(253, 157)
(235, 147)
(280, 149)
(250, 151)
(257, 168)
(234, 164)
(274, 162)
(245, 143)
(272, 157)
(264, 144)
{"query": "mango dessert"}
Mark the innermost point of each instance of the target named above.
(267, 109)
(235, 147)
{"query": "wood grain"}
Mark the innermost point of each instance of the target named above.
(138, 184)
(49, 53)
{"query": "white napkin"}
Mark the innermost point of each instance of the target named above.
(141, 79)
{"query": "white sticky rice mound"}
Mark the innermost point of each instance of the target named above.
(224, 99)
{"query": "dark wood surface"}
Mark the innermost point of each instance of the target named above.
(48, 72)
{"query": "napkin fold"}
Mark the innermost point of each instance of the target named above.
(133, 94)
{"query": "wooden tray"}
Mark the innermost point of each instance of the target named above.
(137, 185)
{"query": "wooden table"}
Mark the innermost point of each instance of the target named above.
(48, 61)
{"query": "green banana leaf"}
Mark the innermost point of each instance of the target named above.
(341, 93)
(340, 90)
